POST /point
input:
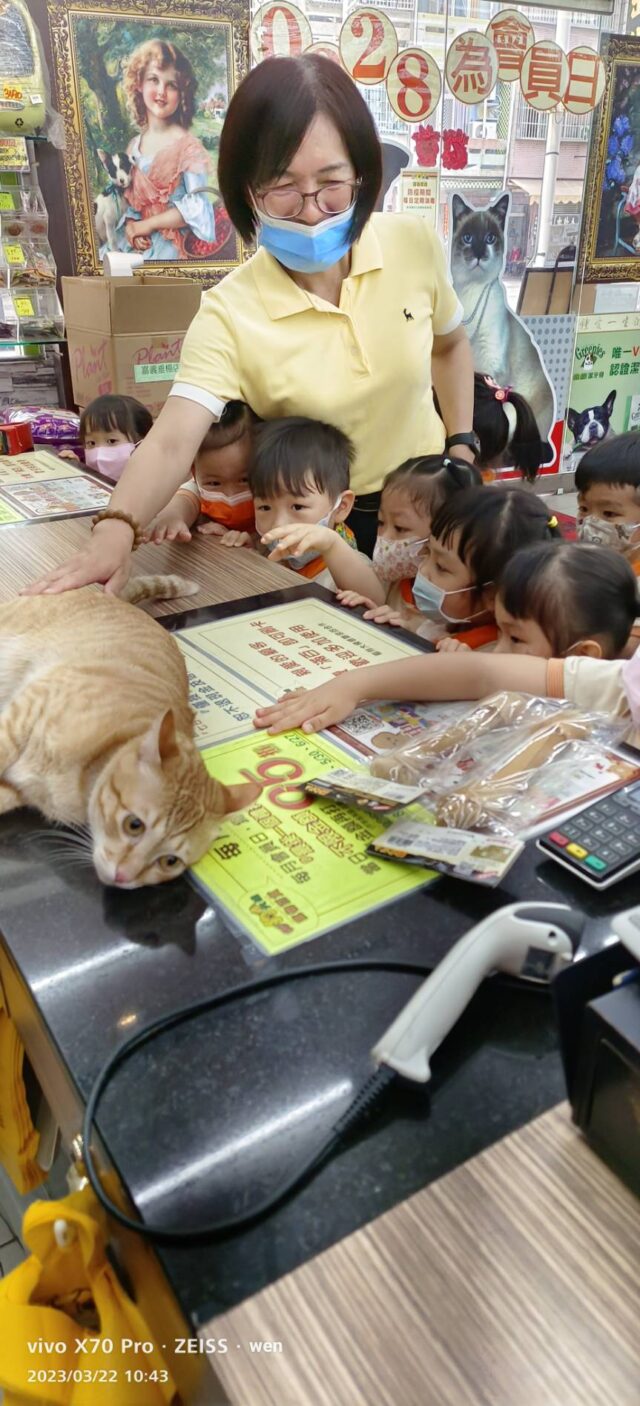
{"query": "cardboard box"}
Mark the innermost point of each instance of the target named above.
(125, 335)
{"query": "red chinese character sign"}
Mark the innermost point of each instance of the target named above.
(587, 79)
(414, 85)
(511, 36)
(368, 44)
(279, 31)
(545, 75)
(471, 67)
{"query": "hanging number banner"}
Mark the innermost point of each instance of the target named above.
(587, 79)
(279, 31)
(471, 68)
(328, 51)
(368, 45)
(545, 75)
(414, 85)
(511, 36)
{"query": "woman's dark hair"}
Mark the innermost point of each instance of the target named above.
(236, 420)
(116, 412)
(614, 461)
(573, 592)
(518, 444)
(290, 455)
(493, 524)
(267, 119)
(431, 479)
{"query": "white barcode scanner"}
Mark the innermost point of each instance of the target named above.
(530, 940)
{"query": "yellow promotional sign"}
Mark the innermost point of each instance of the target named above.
(293, 866)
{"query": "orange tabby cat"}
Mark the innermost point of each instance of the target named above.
(96, 728)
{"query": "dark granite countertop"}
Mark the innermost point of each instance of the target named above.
(209, 1117)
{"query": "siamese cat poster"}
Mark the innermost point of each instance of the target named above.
(503, 348)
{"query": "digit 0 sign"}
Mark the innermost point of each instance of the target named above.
(414, 85)
(279, 31)
(280, 778)
(368, 44)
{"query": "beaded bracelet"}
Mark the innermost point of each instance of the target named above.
(138, 531)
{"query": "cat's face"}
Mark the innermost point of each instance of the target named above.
(156, 810)
(478, 239)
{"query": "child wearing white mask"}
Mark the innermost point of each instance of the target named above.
(300, 482)
(607, 482)
(110, 428)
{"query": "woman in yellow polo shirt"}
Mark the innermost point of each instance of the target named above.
(342, 315)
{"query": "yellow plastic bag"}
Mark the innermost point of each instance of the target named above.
(69, 1334)
(18, 1137)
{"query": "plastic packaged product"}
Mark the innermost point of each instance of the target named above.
(50, 428)
(415, 761)
(30, 263)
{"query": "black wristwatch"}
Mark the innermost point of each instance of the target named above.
(469, 438)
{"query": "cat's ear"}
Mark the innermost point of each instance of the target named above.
(223, 800)
(459, 208)
(160, 743)
(501, 208)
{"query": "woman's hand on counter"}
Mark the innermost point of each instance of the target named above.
(105, 561)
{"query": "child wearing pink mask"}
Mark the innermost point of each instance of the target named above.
(110, 428)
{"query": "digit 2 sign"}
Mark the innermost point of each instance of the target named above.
(279, 31)
(368, 44)
(414, 85)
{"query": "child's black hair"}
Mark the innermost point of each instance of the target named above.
(519, 447)
(116, 412)
(493, 524)
(573, 592)
(431, 479)
(236, 420)
(614, 461)
(293, 454)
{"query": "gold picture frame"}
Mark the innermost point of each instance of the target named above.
(607, 253)
(102, 73)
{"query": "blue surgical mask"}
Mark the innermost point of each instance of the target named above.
(307, 248)
(429, 598)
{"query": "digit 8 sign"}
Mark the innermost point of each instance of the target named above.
(279, 31)
(280, 778)
(368, 42)
(414, 85)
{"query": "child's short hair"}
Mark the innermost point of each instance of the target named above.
(493, 523)
(236, 420)
(573, 592)
(430, 480)
(164, 54)
(293, 453)
(116, 412)
(614, 461)
(506, 426)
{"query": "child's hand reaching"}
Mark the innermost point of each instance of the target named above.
(451, 646)
(352, 599)
(385, 615)
(212, 529)
(299, 537)
(68, 454)
(167, 527)
(232, 538)
(313, 709)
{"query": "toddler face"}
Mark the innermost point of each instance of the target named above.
(444, 568)
(613, 502)
(520, 636)
(400, 520)
(281, 509)
(97, 439)
(226, 469)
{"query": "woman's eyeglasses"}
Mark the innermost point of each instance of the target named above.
(284, 203)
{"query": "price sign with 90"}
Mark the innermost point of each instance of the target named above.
(368, 45)
(414, 85)
(279, 31)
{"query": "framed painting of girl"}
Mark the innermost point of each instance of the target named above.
(143, 100)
